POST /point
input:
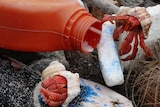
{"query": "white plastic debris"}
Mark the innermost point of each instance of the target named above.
(108, 57)
(97, 95)
(154, 11)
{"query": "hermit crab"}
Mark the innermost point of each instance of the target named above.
(59, 86)
(134, 24)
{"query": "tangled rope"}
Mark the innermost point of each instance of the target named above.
(143, 79)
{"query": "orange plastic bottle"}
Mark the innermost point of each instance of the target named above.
(47, 25)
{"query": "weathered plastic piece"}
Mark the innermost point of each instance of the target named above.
(108, 57)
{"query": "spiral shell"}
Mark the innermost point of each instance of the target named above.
(73, 83)
(141, 14)
(52, 69)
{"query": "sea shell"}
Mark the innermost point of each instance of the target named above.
(141, 14)
(53, 68)
(73, 83)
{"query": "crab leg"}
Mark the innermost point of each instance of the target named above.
(126, 44)
(54, 82)
(52, 99)
(54, 90)
(118, 31)
(134, 49)
(143, 46)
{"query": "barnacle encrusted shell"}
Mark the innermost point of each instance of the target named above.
(73, 83)
(141, 14)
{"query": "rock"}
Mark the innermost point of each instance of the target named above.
(16, 84)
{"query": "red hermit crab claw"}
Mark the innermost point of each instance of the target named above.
(130, 27)
(54, 90)
(59, 86)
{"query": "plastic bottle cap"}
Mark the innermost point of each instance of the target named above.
(85, 31)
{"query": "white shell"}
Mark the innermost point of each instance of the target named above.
(141, 14)
(73, 83)
(53, 68)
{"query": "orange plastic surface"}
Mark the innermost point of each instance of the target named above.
(40, 25)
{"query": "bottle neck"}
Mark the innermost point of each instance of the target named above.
(83, 32)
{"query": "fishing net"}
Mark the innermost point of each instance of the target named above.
(143, 79)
